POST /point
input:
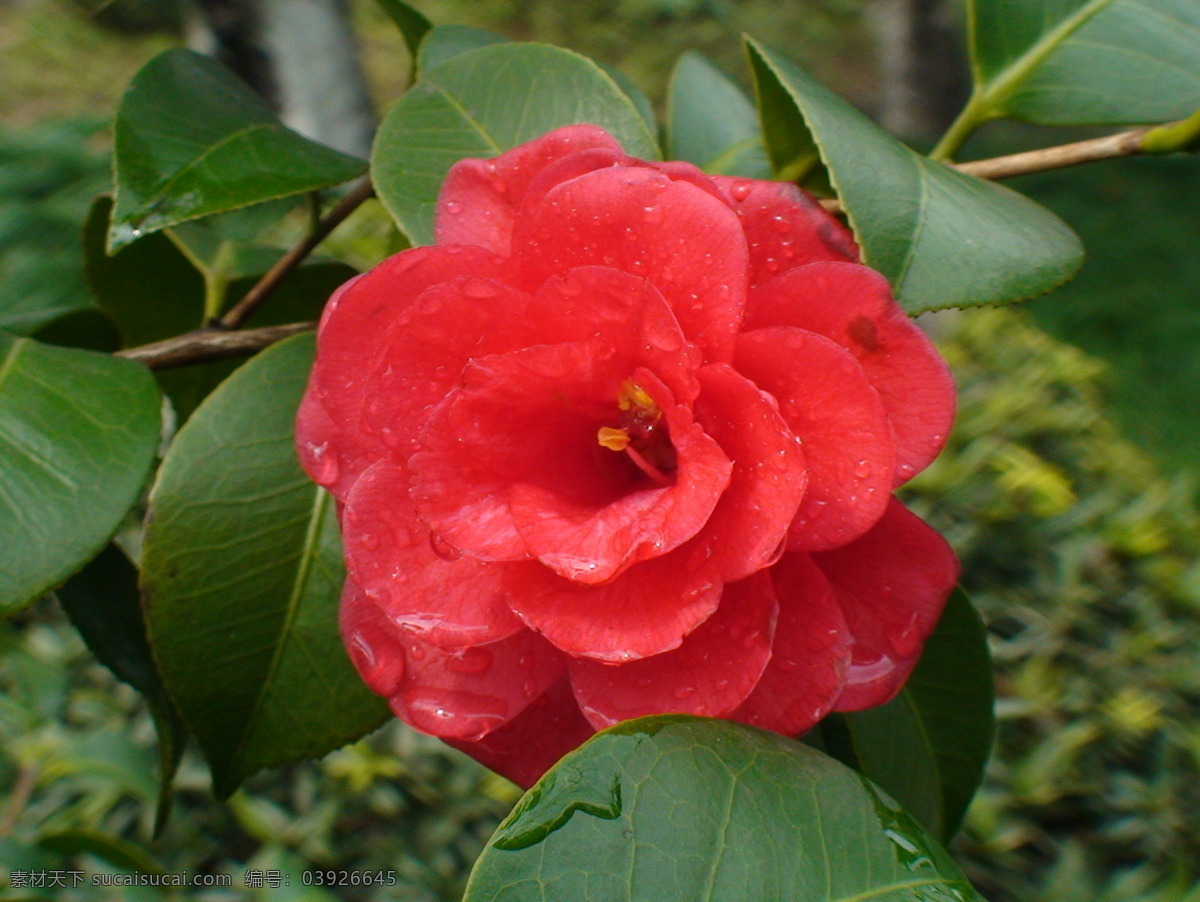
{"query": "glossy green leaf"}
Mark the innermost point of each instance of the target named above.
(682, 808)
(241, 574)
(154, 291)
(78, 432)
(447, 41)
(942, 238)
(711, 123)
(484, 102)
(1085, 62)
(413, 26)
(191, 140)
(928, 746)
(103, 604)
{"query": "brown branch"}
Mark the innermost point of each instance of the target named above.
(203, 345)
(1122, 144)
(1110, 147)
(238, 313)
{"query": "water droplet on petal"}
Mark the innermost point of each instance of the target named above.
(740, 191)
(453, 208)
(444, 549)
(862, 469)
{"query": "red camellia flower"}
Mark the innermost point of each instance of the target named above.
(623, 442)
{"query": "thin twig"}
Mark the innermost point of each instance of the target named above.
(1122, 144)
(237, 314)
(203, 345)
(1110, 147)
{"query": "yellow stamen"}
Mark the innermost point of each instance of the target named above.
(633, 396)
(612, 439)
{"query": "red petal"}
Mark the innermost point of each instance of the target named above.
(468, 693)
(709, 675)
(785, 226)
(463, 694)
(808, 659)
(892, 584)
(646, 610)
(747, 529)
(529, 745)
(422, 356)
(853, 306)
(371, 641)
(826, 399)
(628, 312)
(425, 587)
(510, 465)
(479, 198)
(353, 335)
(681, 239)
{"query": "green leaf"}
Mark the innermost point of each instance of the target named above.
(942, 238)
(484, 102)
(191, 140)
(445, 42)
(681, 808)
(241, 574)
(154, 291)
(102, 602)
(78, 432)
(411, 23)
(928, 746)
(1085, 62)
(711, 123)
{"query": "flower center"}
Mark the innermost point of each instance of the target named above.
(642, 435)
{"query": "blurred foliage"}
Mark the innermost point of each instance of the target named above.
(48, 177)
(1085, 562)
(1133, 218)
(78, 756)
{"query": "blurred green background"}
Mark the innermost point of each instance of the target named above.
(1069, 490)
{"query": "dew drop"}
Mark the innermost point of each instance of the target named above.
(862, 469)
(444, 549)
(780, 225)
(453, 208)
(652, 215)
(684, 691)
(740, 191)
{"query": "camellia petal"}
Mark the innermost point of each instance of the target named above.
(644, 611)
(826, 399)
(681, 239)
(479, 198)
(746, 530)
(710, 674)
(420, 583)
(809, 656)
(524, 749)
(470, 692)
(853, 306)
(351, 338)
(892, 585)
(370, 639)
(785, 227)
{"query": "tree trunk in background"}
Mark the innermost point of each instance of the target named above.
(922, 63)
(301, 55)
